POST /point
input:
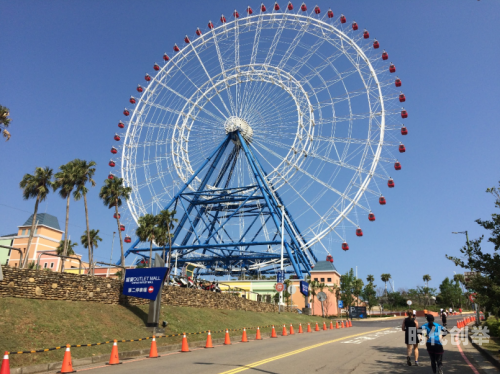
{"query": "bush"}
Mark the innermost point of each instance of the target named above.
(493, 326)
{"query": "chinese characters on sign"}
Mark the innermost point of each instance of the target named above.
(144, 283)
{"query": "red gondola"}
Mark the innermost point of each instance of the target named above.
(343, 19)
(186, 40)
(147, 77)
(176, 49)
(397, 82)
(114, 150)
(276, 6)
(139, 88)
(359, 232)
(122, 227)
(117, 137)
(404, 130)
(402, 97)
(210, 25)
(198, 31)
(236, 14)
(354, 25)
(381, 200)
(303, 7)
(366, 34)
(376, 44)
(345, 246)
(126, 112)
(111, 163)
(330, 13)
(290, 5)
(128, 239)
(165, 57)
(132, 100)
(390, 183)
(263, 8)
(223, 19)
(156, 67)
(397, 165)
(317, 10)
(114, 215)
(111, 176)
(121, 125)
(371, 217)
(385, 55)
(249, 10)
(392, 68)
(402, 148)
(404, 113)
(329, 258)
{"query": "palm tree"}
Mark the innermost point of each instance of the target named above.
(112, 194)
(165, 221)
(65, 182)
(358, 287)
(66, 246)
(85, 172)
(385, 278)
(426, 279)
(313, 288)
(370, 278)
(36, 185)
(147, 231)
(93, 238)
(4, 122)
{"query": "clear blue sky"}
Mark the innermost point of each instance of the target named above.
(67, 70)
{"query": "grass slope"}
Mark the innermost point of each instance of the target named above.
(38, 324)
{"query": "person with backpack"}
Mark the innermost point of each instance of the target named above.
(410, 327)
(433, 332)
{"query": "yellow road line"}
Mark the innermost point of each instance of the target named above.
(262, 362)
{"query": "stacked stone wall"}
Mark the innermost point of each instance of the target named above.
(49, 285)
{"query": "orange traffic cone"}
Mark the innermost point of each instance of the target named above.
(153, 352)
(342, 325)
(308, 327)
(300, 329)
(209, 340)
(114, 358)
(317, 327)
(350, 323)
(184, 347)
(284, 333)
(227, 340)
(5, 364)
(337, 325)
(273, 333)
(67, 365)
(331, 325)
(244, 338)
(291, 330)
(324, 325)
(257, 336)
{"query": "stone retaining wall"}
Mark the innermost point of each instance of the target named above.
(49, 285)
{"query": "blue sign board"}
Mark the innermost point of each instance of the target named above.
(144, 283)
(280, 276)
(304, 288)
(341, 304)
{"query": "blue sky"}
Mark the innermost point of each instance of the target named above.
(67, 70)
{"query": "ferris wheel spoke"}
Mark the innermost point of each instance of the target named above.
(293, 45)
(223, 69)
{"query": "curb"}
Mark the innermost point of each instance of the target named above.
(486, 354)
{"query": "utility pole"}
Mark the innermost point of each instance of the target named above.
(282, 248)
(112, 245)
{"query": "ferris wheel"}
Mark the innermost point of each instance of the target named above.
(274, 119)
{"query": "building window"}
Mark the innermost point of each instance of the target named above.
(329, 280)
(51, 265)
(322, 280)
(36, 231)
(316, 279)
(45, 265)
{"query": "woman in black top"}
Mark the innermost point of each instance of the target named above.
(410, 327)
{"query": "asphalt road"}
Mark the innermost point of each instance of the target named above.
(367, 347)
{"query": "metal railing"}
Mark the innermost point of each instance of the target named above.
(61, 256)
(15, 249)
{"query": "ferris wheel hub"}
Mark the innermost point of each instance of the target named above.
(234, 123)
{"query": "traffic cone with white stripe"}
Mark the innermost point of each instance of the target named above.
(324, 325)
(300, 329)
(257, 336)
(337, 325)
(209, 340)
(273, 333)
(5, 364)
(244, 338)
(227, 339)
(284, 333)
(331, 325)
(291, 330)
(184, 346)
(317, 327)
(114, 359)
(308, 327)
(342, 325)
(67, 365)
(153, 351)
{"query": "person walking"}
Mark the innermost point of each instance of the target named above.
(444, 317)
(434, 332)
(410, 327)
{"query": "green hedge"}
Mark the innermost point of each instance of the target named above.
(493, 326)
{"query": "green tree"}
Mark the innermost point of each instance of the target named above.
(147, 232)
(165, 222)
(427, 279)
(347, 288)
(385, 278)
(93, 238)
(369, 295)
(85, 172)
(66, 247)
(449, 294)
(4, 122)
(358, 289)
(65, 181)
(35, 186)
(112, 194)
(313, 291)
(370, 278)
(486, 283)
